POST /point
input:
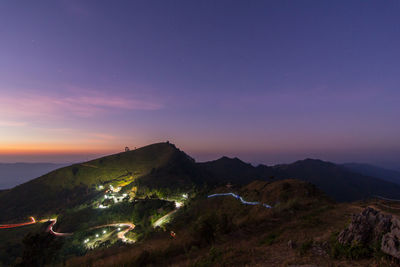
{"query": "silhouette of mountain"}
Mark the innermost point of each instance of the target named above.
(371, 170)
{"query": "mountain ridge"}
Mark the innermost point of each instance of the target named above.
(162, 168)
(374, 171)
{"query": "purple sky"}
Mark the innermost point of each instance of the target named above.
(267, 81)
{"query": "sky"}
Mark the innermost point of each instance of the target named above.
(265, 81)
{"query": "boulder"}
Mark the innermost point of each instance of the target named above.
(367, 227)
(391, 240)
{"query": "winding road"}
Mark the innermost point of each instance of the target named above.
(6, 226)
(121, 234)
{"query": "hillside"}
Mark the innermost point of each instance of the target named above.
(301, 229)
(73, 185)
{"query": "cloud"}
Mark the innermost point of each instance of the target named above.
(12, 123)
(86, 104)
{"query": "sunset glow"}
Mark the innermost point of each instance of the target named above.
(213, 89)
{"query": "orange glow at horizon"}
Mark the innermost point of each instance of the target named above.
(45, 148)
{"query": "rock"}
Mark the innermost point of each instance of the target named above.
(369, 226)
(291, 244)
(391, 241)
(319, 249)
(366, 227)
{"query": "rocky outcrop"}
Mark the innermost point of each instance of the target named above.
(372, 226)
(391, 240)
(366, 227)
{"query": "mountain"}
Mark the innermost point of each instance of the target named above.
(162, 166)
(236, 171)
(91, 204)
(163, 169)
(336, 181)
(374, 171)
(12, 174)
(157, 166)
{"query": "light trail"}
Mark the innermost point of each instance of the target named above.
(50, 228)
(121, 234)
(241, 199)
(164, 218)
(6, 226)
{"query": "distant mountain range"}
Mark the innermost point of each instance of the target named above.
(371, 170)
(12, 174)
(340, 182)
(163, 169)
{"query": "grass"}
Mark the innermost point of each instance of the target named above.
(354, 251)
(269, 239)
(213, 256)
(305, 247)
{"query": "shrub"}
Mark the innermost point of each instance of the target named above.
(204, 230)
(354, 251)
(209, 226)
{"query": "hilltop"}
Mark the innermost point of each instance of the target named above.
(74, 185)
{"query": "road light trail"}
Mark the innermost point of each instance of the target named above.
(164, 218)
(121, 234)
(6, 226)
(50, 228)
(241, 199)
